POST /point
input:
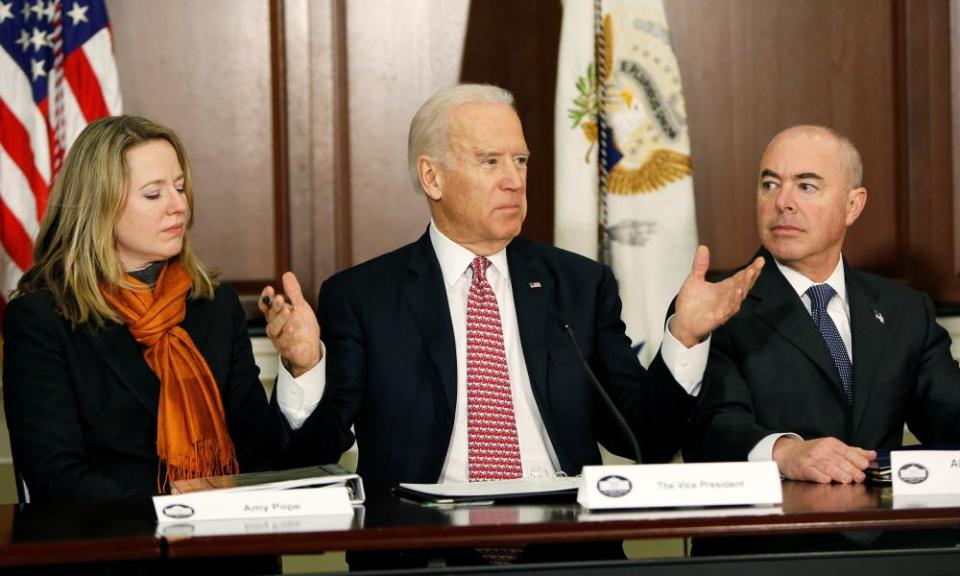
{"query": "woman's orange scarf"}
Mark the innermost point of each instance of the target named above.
(192, 436)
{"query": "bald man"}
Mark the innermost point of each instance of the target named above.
(823, 364)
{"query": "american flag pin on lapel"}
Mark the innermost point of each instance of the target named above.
(536, 285)
(879, 316)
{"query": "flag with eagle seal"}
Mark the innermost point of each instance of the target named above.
(624, 185)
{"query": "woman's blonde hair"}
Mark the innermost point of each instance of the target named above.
(76, 249)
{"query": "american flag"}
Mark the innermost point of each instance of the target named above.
(57, 74)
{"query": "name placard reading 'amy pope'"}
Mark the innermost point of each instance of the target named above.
(925, 472)
(680, 485)
(222, 505)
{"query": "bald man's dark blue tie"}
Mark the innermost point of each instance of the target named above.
(820, 295)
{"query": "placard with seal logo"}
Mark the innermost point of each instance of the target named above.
(182, 529)
(614, 486)
(916, 472)
(255, 504)
(680, 485)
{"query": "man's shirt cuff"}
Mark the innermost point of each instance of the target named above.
(298, 397)
(763, 451)
(687, 365)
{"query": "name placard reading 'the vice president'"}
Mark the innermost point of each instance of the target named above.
(680, 485)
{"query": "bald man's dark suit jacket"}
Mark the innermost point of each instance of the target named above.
(81, 403)
(770, 371)
(391, 363)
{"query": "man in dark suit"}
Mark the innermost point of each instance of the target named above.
(406, 370)
(823, 364)
(450, 356)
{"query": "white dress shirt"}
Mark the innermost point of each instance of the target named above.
(299, 397)
(839, 310)
(536, 451)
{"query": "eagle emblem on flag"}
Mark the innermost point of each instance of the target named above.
(645, 129)
(624, 191)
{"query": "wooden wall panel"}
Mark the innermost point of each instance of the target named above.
(204, 70)
(355, 71)
(398, 54)
(753, 67)
(519, 53)
(314, 46)
(955, 122)
(878, 72)
(928, 151)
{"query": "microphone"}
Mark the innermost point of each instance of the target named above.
(621, 421)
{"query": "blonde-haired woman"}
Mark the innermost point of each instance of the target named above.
(126, 364)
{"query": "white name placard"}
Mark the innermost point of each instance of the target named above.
(290, 524)
(915, 472)
(256, 504)
(680, 485)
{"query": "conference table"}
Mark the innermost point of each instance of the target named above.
(46, 535)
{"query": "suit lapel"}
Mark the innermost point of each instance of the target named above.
(427, 298)
(125, 358)
(783, 311)
(869, 338)
(532, 289)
